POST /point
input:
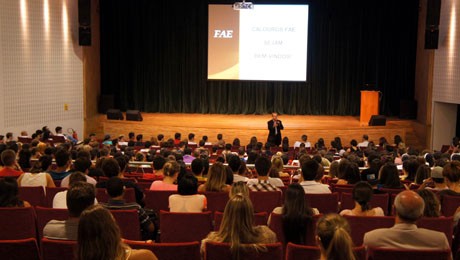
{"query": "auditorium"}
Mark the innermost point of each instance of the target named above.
(218, 129)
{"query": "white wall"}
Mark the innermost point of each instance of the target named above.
(446, 78)
(41, 68)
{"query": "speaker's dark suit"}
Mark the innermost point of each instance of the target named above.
(274, 134)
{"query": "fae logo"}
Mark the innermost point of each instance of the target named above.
(223, 33)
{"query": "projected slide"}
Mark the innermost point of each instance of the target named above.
(266, 43)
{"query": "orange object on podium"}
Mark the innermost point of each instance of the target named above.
(369, 106)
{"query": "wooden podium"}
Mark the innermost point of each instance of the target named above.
(369, 106)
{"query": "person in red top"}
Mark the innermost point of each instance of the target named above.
(10, 166)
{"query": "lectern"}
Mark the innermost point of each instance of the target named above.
(369, 106)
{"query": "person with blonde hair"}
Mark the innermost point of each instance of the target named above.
(171, 170)
(99, 238)
(237, 228)
(333, 238)
(217, 176)
(278, 166)
(239, 188)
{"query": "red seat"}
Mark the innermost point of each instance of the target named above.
(387, 253)
(44, 215)
(276, 225)
(216, 201)
(184, 227)
(301, 252)
(221, 251)
(170, 251)
(378, 200)
(19, 249)
(260, 218)
(128, 221)
(264, 201)
(144, 185)
(58, 139)
(50, 193)
(361, 225)
(342, 188)
(325, 203)
(34, 195)
(102, 196)
(449, 205)
(157, 200)
(444, 225)
(17, 223)
(53, 249)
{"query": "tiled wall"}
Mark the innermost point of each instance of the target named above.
(41, 68)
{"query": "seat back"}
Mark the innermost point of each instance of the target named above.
(178, 227)
(444, 225)
(34, 195)
(377, 200)
(128, 221)
(216, 200)
(221, 251)
(265, 201)
(44, 215)
(17, 223)
(449, 205)
(54, 249)
(170, 251)
(50, 193)
(300, 252)
(361, 225)
(157, 199)
(387, 253)
(260, 218)
(102, 196)
(325, 203)
(276, 225)
(19, 249)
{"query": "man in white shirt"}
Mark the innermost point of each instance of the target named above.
(304, 139)
(234, 162)
(310, 169)
(365, 142)
(405, 234)
(80, 165)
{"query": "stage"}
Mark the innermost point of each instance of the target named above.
(246, 126)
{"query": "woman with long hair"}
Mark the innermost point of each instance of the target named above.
(9, 194)
(99, 238)
(389, 177)
(362, 194)
(296, 214)
(217, 177)
(237, 228)
(333, 238)
(38, 175)
(432, 204)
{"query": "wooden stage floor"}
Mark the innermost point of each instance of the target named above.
(246, 126)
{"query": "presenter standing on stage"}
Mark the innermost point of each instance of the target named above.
(274, 127)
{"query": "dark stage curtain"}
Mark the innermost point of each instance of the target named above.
(154, 58)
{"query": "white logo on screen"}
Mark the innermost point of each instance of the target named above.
(223, 34)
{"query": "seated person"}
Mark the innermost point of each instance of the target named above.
(10, 166)
(116, 190)
(217, 177)
(114, 167)
(234, 162)
(362, 194)
(171, 171)
(237, 227)
(187, 200)
(262, 183)
(333, 238)
(198, 169)
(80, 165)
(63, 162)
(38, 175)
(296, 214)
(80, 196)
(9, 194)
(405, 234)
(310, 170)
(97, 221)
(60, 199)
